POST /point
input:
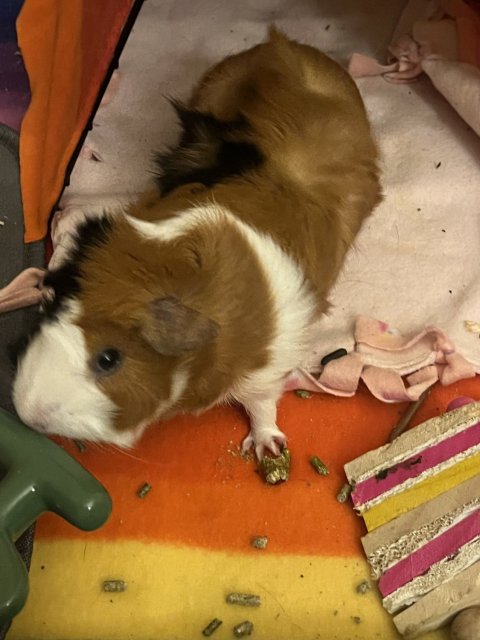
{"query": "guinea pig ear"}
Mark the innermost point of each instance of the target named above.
(172, 329)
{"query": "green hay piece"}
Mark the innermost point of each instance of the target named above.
(114, 586)
(259, 542)
(343, 494)
(363, 587)
(211, 627)
(276, 469)
(302, 393)
(243, 629)
(244, 599)
(319, 466)
(144, 489)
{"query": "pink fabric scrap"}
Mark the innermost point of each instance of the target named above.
(381, 357)
(24, 291)
(406, 68)
(408, 53)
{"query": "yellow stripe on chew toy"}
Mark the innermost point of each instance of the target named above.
(464, 498)
(422, 492)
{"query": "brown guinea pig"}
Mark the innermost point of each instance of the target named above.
(210, 290)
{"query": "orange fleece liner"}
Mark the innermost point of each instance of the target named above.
(67, 48)
(204, 494)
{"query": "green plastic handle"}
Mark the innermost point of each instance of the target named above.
(36, 476)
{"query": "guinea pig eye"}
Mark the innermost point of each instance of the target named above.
(107, 361)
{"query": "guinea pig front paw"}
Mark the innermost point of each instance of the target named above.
(270, 438)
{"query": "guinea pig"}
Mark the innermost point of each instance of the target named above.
(209, 290)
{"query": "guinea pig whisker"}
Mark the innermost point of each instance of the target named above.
(99, 445)
(125, 452)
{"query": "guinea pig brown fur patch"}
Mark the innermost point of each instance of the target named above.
(210, 273)
(318, 178)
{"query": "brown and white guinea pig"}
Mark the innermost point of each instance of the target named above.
(210, 290)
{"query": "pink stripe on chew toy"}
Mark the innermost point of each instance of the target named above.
(436, 550)
(415, 465)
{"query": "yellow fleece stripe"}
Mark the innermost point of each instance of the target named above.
(173, 592)
(421, 492)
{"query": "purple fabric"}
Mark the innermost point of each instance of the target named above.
(14, 87)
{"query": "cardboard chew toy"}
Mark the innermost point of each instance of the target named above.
(420, 499)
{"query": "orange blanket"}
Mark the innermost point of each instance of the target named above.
(67, 49)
